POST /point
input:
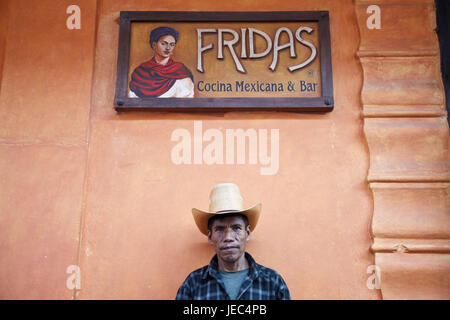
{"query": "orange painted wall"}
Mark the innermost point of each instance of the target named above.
(83, 185)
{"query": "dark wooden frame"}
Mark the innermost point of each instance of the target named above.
(325, 103)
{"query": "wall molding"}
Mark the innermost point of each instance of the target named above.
(405, 126)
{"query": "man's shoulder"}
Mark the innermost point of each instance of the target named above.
(191, 284)
(268, 272)
(197, 274)
(269, 278)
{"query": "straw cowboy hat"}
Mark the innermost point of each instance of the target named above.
(225, 198)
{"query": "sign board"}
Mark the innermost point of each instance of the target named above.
(224, 61)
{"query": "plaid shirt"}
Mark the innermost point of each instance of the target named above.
(261, 283)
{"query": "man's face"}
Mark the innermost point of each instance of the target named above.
(229, 237)
(164, 46)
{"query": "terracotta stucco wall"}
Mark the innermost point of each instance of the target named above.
(82, 185)
(44, 115)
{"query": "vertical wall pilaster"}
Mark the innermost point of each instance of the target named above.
(408, 139)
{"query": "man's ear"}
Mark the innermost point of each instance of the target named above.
(209, 238)
(248, 233)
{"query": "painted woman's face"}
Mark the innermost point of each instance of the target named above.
(164, 46)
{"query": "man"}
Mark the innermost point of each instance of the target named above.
(161, 76)
(232, 273)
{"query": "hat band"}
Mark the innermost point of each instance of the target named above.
(227, 211)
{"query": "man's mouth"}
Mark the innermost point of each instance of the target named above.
(229, 248)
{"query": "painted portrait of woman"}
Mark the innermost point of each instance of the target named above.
(161, 76)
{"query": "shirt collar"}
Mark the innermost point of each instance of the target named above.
(213, 267)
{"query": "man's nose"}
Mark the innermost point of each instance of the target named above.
(228, 235)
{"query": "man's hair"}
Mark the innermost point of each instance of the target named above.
(221, 216)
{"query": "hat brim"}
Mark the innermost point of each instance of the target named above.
(201, 217)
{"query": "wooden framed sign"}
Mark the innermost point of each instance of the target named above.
(224, 61)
